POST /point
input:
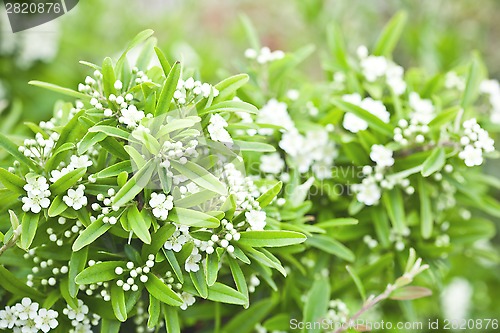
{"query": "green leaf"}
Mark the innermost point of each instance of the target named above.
(332, 246)
(390, 35)
(409, 293)
(221, 293)
(337, 222)
(169, 87)
(76, 265)
(110, 326)
(316, 304)
(95, 230)
(266, 198)
(199, 282)
(29, 227)
(434, 162)
(200, 176)
(165, 65)
(108, 77)
(254, 146)
(111, 131)
(118, 302)
(393, 202)
(473, 81)
(251, 33)
(270, 238)
(135, 185)
(12, 182)
(136, 157)
(99, 272)
(178, 124)
(57, 207)
(139, 225)
(357, 282)
(426, 221)
(212, 269)
(158, 239)
(174, 263)
(17, 287)
(114, 170)
(228, 86)
(230, 106)
(139, 38)
(61, 90)
(161, 291)
(64, 289)
(154, 311)
(67, 181)
(193, 218)
(239, 278)
(373, 121)
(171, 319)
(245, 321)
(337, 47)
(12, 149)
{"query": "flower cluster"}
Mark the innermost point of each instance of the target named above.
(81, 318)
(40, 148)
(134, 273)
(314, 150)
(187, 91)
(353, 123)
(37, 191)
(28, 316)
(379, 67)
(217, 129)
(475, 142)
(491, 88)
(264, 55)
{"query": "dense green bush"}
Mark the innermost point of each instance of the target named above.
(268, 202)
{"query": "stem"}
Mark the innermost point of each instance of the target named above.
(217, 318)
(367, 306)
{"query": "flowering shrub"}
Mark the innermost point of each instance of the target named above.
(158, 202)
(137, 193)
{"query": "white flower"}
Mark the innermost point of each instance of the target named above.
(57, 174)
(217, 129)
(453, 81)
(187, 300)
(423, 110)
(368, 192)
(471, 156)
(265, 55)
(80, 162)
(271, 163)
(27, 309)
(37, 191)
(8, 317)
(79, 314)
(456, 299)
(161, 205)
(46, 320)
(395, 80)
(178, 238)
(76, 199)
(292, 143)
(382, 156)
(191, 264)
(355, 124)
(256, 219)
(274, 113)
(131, 116)
(374, 67)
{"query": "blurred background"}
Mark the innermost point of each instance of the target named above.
(209, 35)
